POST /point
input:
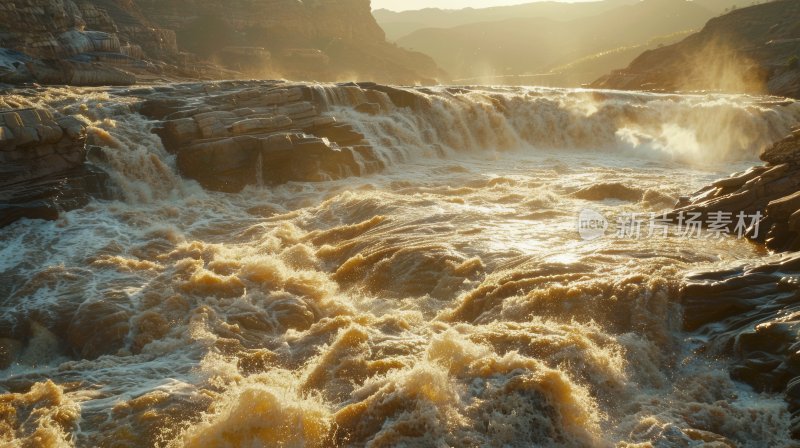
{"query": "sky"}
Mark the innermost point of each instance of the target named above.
(402, 5)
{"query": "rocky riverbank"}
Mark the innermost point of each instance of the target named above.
(64, 42)
(225, 135)
(752, 313)
(770, 191)
(43, 167)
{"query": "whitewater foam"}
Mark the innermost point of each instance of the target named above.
(447, 301)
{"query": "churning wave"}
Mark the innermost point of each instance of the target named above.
(447, 301)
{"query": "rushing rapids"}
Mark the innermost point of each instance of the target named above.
(446, 300)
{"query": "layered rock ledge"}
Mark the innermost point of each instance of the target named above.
(230, 135)
(225, 135)
(43, 166)
(770, 191)
(46, 41)
(751, 314)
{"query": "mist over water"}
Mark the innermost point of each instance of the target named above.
(447, 301)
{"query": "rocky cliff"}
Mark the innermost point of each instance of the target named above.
(317, 39)
(753, 49)
(69, 42)
(91, 42)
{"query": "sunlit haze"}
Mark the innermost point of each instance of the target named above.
(405, 5)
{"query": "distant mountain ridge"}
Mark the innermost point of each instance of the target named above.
(399, 24)
(536, 45)
(754, 49)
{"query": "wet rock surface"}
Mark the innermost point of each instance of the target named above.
(752, 315)
(42, 165)
(225, 135)
(230, 135)
(768, 191)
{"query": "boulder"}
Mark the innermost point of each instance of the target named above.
(78, 73)
(104, 42)
(313, 159)
(751, 315)
(399, 97)
(46, 197)
(233, 134)
(73, 128)
(783, 208)
(342, 134)
(42, 166)
(298, 110)
(75, 42)
(769, 190)
(160, 108)
(177, 133)
(784, 151)
(794, 221)
(230, 164)
(227, 164)
(215, 115)
(739, 179)
(211, 127)
(14, 67)
(35, 145)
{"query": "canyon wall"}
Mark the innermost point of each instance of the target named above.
(47, 41)
(317, 39)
